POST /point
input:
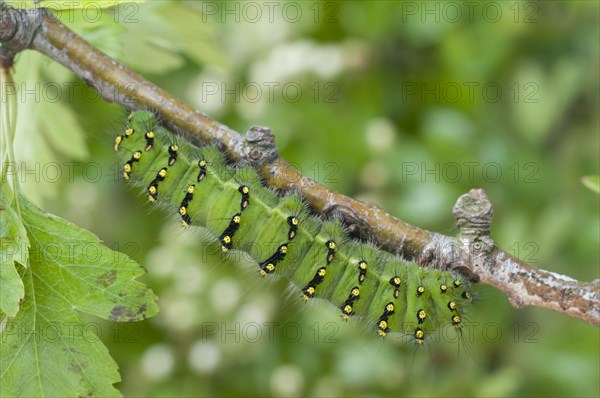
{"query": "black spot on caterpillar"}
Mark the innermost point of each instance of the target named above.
(382, 325)
(347, 307)
(153, 187)
(173, 152)
(311, 287)
(189, 195)
(202, 171)
(293, 223)
(128, 167)
(226, 237)
(268, 266)
(316, 256)
(149, 136)
(362, 271)
(395, 281)
(245, 191)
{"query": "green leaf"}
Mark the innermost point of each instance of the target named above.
(592, 182)
(195, 37)
(67, 4)
(170, 31)
(47, 349)
(41, 141)
(14, 247)
(62, 133)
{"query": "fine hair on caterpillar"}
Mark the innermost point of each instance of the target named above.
(277, 237)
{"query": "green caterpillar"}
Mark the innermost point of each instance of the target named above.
(284, 239)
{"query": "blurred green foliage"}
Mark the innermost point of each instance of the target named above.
(406, 104)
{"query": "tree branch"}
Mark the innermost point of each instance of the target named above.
(472, 253)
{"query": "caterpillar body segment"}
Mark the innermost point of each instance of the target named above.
(284, 240)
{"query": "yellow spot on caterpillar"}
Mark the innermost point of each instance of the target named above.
(129, 132)
(293, 223)
(467, 295)
(396, 282)
(245, 191)
(330, 250)
(172, 154)
(362, 268)
(162, 172)
(382, 328)
(151, 199)
(456, 321)
(347, 311)
(118, 140)
(183, 210)
(225, 243)
(152, 189)
(127, 168)
(202, 167)
(457, 283)
(190, 189)
(421, 315)
(443, 288)
(149, 140)
(185, 224)
(137, 155)
(452, 306)
(321, 272)
(263, 273)
(382, 324)
(126, 176)
(419, 335)
(269, 264)
(420, 290)
(310, 292)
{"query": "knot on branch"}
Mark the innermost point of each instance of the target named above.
(17, 28)
(473, 212)
(259, 146)
(354, 224)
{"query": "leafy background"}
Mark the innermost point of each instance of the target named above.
(358, 128)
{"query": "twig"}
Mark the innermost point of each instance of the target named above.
(472, 252)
